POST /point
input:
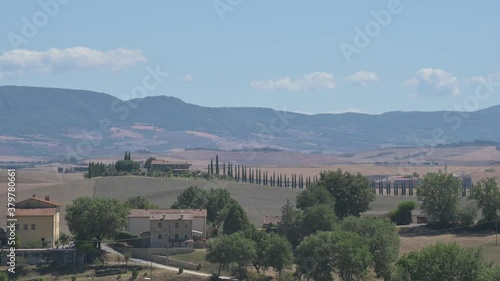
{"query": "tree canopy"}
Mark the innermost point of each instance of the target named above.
(95, 218)
(383, 240)
(352, 192)
(440, 196)
(139, 202)
(443, 262)
(342, 252)
(235, 220)
(487, 196)
(314, 195)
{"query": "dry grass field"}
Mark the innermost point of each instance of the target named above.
(485, 240)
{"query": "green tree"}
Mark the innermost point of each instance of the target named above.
(487, 196)
(261, 240)
(64, 238)
(342, 252)
(445, 262)
(147, 164)
(95, 218)
(191, 198)
(318, 218)
(217, 200)
(278, 253)
(402, 215)
(139, 202)
(291, 223)
(235, 220)
(3, 276)
(232, 249)
(217, 164)
(352, 193)
(127, 166)
(440, 195)
(382, 237)
(314, 195)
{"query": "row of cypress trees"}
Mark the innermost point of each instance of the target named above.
(247, 174)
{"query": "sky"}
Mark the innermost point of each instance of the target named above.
(310, 57)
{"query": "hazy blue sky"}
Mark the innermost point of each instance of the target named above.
(304, 56)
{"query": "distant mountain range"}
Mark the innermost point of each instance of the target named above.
(58, 122)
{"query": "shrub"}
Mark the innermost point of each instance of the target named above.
(129, 238)
(181, 270)
(135, 273)
(402, 215)
(73, 278)
(490, 170)
(3, 276)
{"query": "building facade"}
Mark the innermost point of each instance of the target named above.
(171, 231)
(38, 220)
(138, 221)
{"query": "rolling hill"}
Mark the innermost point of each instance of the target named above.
(49, 122)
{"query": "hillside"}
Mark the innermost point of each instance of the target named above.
(50, 122)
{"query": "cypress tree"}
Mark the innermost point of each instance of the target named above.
(224, 168)
(211, 166)
(217, 164)
(89, 173)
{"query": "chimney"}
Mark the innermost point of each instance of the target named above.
(47, 198)
(182, 217)
(34, 195)
(163, 216)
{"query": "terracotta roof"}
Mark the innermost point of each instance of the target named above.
(171, 217)
(163, 162)
(271, 219)
(194, 212)
(40, 200)
(37, 212)
(139, 213)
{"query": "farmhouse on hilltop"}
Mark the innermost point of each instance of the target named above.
(38, 220)
(176, 167)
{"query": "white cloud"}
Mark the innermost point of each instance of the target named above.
(313, 81)
(188, 78)
(493, 77)
(433, 82)
(363, 77)
(348, 110)
(21, 61)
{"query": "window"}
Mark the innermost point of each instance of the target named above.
(168, 225)
(176, 236)
(185, 236)
(176, 225)
(186, 225)
(159, 225)
(33, 226)
(25, 226)
(17, 226)
(159, 236)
